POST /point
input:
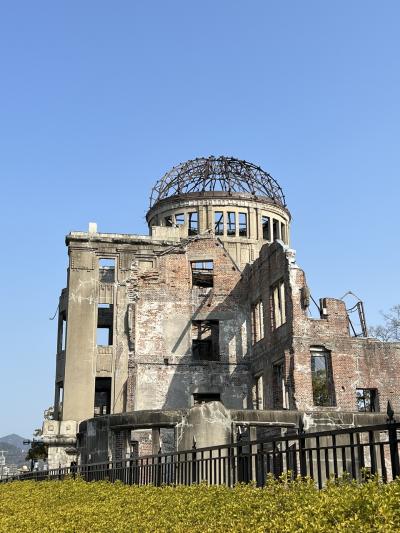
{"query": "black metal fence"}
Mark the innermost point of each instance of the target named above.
(354, 452)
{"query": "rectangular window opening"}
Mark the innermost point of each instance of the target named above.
(283, 232)
(278, 304)
(243, 225)
(231, 224)
(202, 273)
(107, 269)
(102, 396)
(275, 229)
(62, 332)
(59, 398)
(205, 340)
(278, 386)
(193, 223)
(180, 219)
(266, 228)
(168, 221)
(206, 397)
(321, 376)
(219, 223)
(105, 321)
(367, 400)
(257, 321)
(259, 393)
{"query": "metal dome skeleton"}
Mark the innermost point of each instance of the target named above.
(225, 174)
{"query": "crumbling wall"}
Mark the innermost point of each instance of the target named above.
(165, 372)
(356, 363)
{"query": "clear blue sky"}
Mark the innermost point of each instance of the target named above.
(98, 99)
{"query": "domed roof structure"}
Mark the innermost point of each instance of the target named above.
(225, 174)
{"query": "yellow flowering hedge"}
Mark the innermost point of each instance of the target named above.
(76, 506)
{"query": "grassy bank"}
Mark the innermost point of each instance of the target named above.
(76, 506)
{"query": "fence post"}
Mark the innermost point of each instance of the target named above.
(392, 433)
(194, 462)
(158, 468)
(302, 448)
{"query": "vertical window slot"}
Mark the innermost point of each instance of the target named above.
(219, 223)
(231, 224)
(193, 223)
(243, 231)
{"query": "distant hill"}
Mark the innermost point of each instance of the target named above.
(16, 441)
(15, 448)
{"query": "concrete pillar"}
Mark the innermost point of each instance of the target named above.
(252, 222)
(202, 219)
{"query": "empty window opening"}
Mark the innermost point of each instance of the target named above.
(62, 332)
(219, 223)
(180, 219)
(367, 400)
(266, 228)
(283, 232)
(134, 449)
(257, 321)
(107, 270)
(105, 320)
(259, 393)
(231, 224)
(321, 376)
(277, 304)
(242, 224)
(278, 386)
(102, 396)
(168, 221)
(275, 229)
(59, 398)
(202, 273)
(205, 340)
(193, 223)
(206, 397)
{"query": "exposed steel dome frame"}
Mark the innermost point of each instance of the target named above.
(225, 174)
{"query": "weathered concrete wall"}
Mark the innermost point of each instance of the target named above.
(209, 424)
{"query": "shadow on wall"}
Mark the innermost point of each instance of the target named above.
(211, 370)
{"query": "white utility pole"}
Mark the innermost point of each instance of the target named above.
(2, 462)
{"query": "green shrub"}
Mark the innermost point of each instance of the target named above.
(75, 506)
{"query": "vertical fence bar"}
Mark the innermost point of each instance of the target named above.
(194, 463)
(302, 453)
(334, 451)
(393, 445)
(372, 451)
(318, 451)
(353, 457)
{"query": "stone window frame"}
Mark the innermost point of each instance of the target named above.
(279, 364)
(109, 257)
(212, 340)
(277, 301)
(330, 396)
(259, 392)
(196, 230)
(373, 400)
(257, 321)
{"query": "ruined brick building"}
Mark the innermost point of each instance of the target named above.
(210, 306)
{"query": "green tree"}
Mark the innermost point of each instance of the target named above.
(38, 450)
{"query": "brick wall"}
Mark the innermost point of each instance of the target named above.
(355, 362)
